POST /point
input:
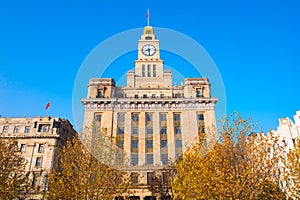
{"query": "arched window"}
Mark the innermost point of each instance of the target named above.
(198, 93)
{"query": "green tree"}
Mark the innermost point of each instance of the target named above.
(13, 177)
(241, 165)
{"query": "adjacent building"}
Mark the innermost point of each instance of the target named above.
(38, 139)
(288, 131)
(152, 120)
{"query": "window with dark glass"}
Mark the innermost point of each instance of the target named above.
(134, 158)
(164, 158)
(120, 130)
(163, 117)
(16, 129)
(153, 96)
(23, 148)
(145, 96)
(200, 117)
(98, 118)
(149, 159)
(135, 130)
(38, 162)
(121, 144)
(99, 94)
(163, 130)
(27, 129)
(198, 94)
(176, 117)
(149, 70)
(136, 96)
(162, 96)
(148, 117)
(134, 144)
(121, 117)
(143, 70)
(134, 178)
(150, 177)
(44, 128)
(149, 130)
(154, 70)
(177, 130)
(5, 129)
(35, 179)
(135, 117)
(41, 148)
(164, 143)
(178, 144)
(149, 143)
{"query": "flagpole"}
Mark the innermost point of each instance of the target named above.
(148, 17)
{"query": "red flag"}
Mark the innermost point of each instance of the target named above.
(47, 106)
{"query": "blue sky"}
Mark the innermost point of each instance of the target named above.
(255, 45)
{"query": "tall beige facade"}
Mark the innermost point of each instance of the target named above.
(153, 121)
(38, 139)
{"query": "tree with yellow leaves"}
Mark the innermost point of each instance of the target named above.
(80, 175)
(13, 177)
(292, 171)
(241, 165)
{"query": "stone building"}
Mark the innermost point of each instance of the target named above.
(38, 139)
(154, 122)
(288, 130)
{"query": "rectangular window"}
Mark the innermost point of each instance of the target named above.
(27, 129)
(35, 179)
(120, 130)
(16, 129)
(41, 148)
(164, 158)
(98, 118)
(145, 96)
(136, 96)
(149, 130)
(121, 117)
(121, 144)
(176, 117)
(201, 129)
(149, 70)
(150, 177)
(134, 178)
(38, 162)
(44, 128)
(23, 148)
(177, 130)
(148, 117)
(164, 143)
(134, 144)
(200, 117)
(153, 96)
(135, 130)
(154, 70)
(163, 130)
(135, 117)
(149, 143)
(134, 158)
(163, 117)
(165, 177)
(5, 129)
(149, 159)
(162, 96)
(143, 70)
(178, 144)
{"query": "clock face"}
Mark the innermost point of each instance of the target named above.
(148, 50)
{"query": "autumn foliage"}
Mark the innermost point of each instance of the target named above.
(241, 165)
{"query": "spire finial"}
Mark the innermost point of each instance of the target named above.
(148, 16)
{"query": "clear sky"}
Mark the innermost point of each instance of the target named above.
(255, 45)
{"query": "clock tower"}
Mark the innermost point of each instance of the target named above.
(148, 67)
